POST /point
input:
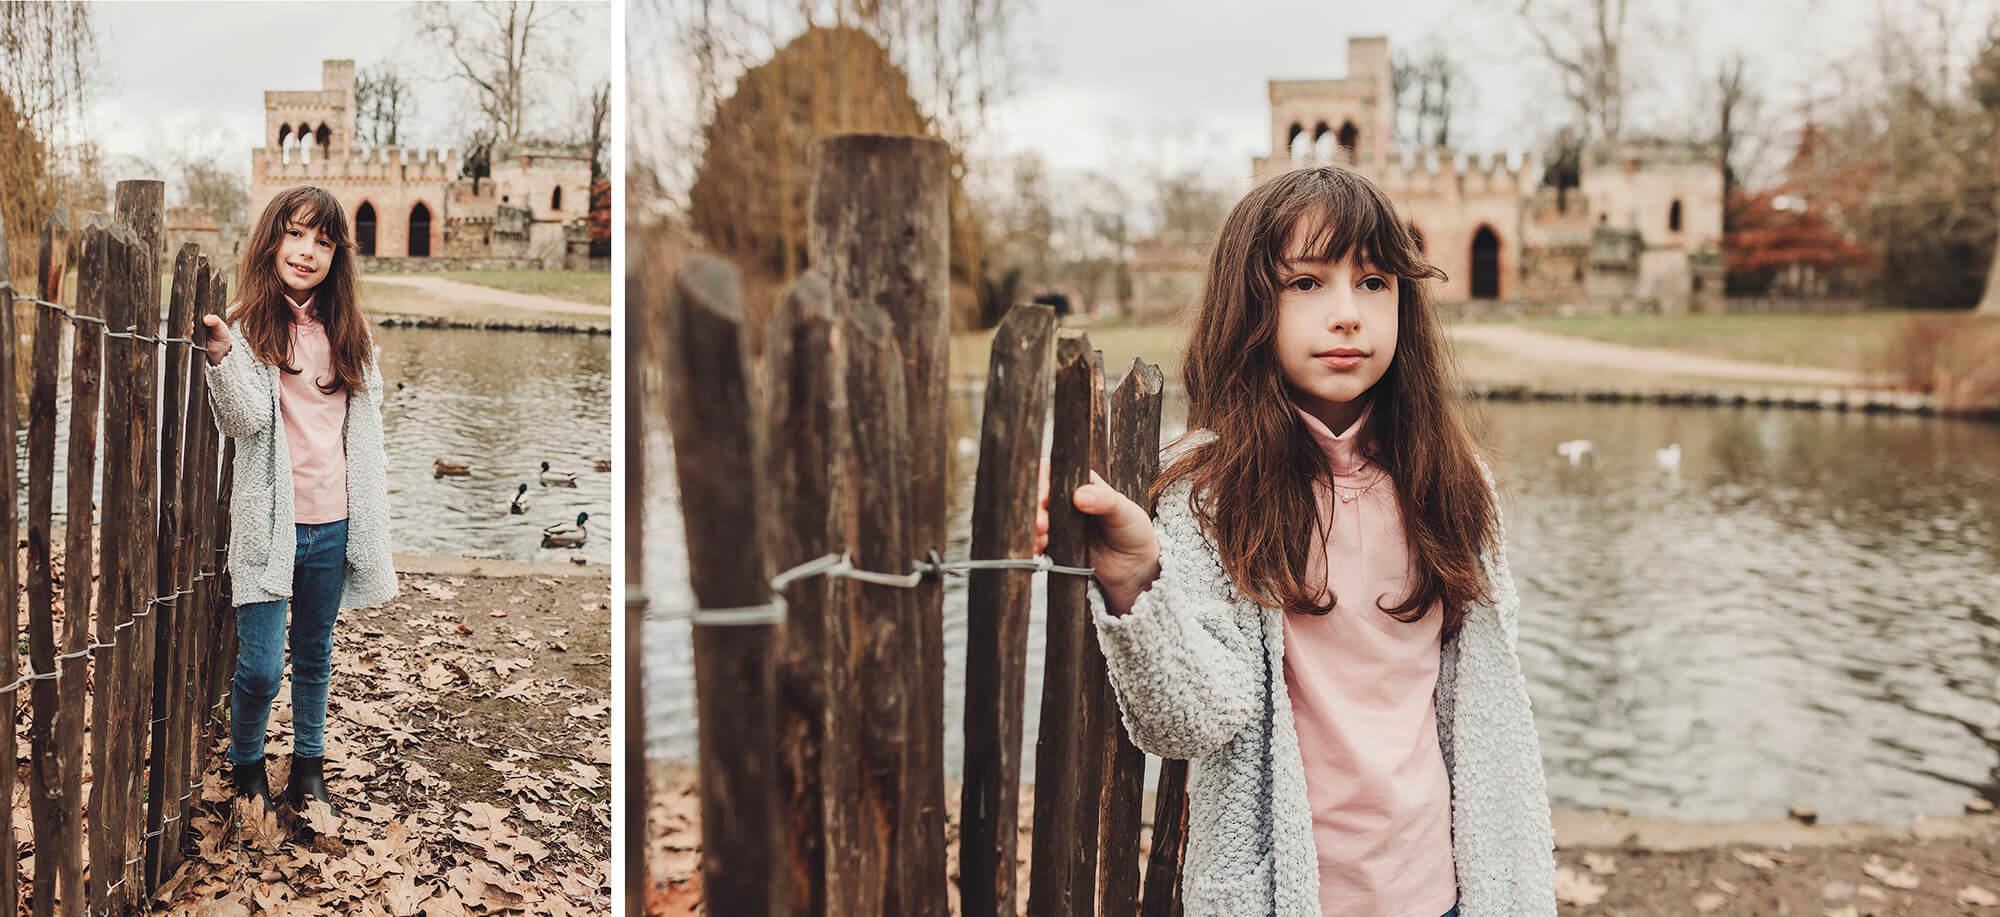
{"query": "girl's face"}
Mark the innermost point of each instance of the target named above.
(304, 254)
(1336, 330)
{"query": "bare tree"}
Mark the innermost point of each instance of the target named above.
(501, 50)
(599, 137)
(1429, 87)
(48, 66)
(1737, 106)
(684, 57)
(208, 184)
(1585, 41)
(383, 98)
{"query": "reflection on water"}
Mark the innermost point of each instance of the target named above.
(503, 402)
(1801, 612)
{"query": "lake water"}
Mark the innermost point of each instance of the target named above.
(502, 402)
(1805, 611)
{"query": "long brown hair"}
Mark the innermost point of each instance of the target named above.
(265, 317)
(1253, 483)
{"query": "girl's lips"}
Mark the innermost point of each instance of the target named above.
(1340, 362)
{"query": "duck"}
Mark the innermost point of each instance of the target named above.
(1670, 457)
(558, 478)
(601, 464)
(1576, 449)
(566, 534)
(520, 504)
(440, 468)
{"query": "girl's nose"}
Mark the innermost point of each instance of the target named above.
(1343, 314)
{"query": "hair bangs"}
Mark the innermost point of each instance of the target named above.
(1348, 217)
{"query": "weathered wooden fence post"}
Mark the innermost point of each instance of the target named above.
(880, 235)
(46, 795)
(10, 604)
(141, 206)
(113, 721)
(716, 459)
(1135, 461)
(997, 605)
(1068, 785)
(640, 343)
(805, 410)
(93, 292)
(171, 617)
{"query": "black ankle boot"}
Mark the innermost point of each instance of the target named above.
(308, 782)
(251, 783)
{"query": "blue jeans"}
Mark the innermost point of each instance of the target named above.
(260, 655)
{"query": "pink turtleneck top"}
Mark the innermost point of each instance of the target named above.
(1361, 686)
(313, 423)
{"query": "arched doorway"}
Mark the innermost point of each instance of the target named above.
(555, 198)
(420, 231)
(364, 228)
(1350, 143)
(1485, 264)
(1299, 144)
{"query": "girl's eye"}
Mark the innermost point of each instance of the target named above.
(1380, 285)
(325, 243)
(1309, 284)
(291, 232)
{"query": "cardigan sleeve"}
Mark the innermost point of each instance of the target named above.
(237, 390)
(1185, 671)
(1500, 579)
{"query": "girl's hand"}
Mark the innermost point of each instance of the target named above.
(217, 340)
(1123, 549)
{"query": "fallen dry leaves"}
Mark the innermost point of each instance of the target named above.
(469, 764)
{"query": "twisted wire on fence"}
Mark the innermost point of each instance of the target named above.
(131, 331)
(842, 566)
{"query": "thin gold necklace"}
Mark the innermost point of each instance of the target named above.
(1356, 495)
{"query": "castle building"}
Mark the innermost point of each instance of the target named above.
(410, 209)
(1641, 232)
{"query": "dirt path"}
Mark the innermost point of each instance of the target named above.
(1543, 351)
(468, 749)
(437, 296)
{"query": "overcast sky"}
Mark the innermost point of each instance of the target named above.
(191, 77)
(1130, 85)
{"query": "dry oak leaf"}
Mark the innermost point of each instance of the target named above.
(1904, 877)
(402, 896)
(1575, 888)
(1974, 896)
(1757, 860)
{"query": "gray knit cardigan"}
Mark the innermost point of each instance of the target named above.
(1199, 674)
(262, 525)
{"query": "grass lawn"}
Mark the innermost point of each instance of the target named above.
(1849, 342)
(1121, 341)
(589, 287)
(1843, 342)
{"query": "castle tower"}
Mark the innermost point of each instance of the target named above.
(1348, 120)
(313, 125)
(395, 198)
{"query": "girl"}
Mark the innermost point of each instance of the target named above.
(292, 377)
(1328, 633)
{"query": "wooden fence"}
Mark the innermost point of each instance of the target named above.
(154, 648)
(813, 490)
